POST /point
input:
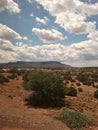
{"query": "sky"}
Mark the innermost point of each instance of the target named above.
(49, 30)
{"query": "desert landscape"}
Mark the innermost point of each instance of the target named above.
(48, 64)
(16, 115)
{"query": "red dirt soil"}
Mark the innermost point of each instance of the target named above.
(15, 115)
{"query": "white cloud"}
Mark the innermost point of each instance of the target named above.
(84, 54)
(88, 9)
(48, 36)
(81, 54)
(10, 5)
(10, 56)
(71, 14)
(31, 1)
(46, 19)
(7, 51)
(32, 14)
(74, 23)
(42, 21)
(93, 35)
(7, 33)
(65, 37)
(25, 38)
(6, 45)
(38, 7)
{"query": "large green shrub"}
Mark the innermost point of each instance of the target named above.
(73, 119)
(47, 87)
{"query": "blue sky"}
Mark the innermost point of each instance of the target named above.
(44, 30)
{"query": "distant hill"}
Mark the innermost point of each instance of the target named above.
(23, 64)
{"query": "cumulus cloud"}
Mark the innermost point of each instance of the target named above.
(84, 53)
(88, 9)
(7, 33)
(71, 14)
(42, 21)
(93, 35)
(6, 45)
(80, 54)
(7, 51)
(48, 36)
(74, 23)
(10, 5)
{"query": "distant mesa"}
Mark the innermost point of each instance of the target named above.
(46, 64)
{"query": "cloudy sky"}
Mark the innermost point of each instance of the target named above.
(49, 30)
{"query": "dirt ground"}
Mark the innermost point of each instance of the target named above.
(16, 115)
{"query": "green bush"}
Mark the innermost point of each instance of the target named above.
(89, 83)
(47, 87)
(66, 90)
(95, 76)
(96, 86)
(80, 89)
(72, 91)
(72, 80)
(73, 119)
(82, 77)
(67, 76)
(78, 84)
(67, 82)
(3, 79)
(12, 76)
(96, 94)
(15, 70)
